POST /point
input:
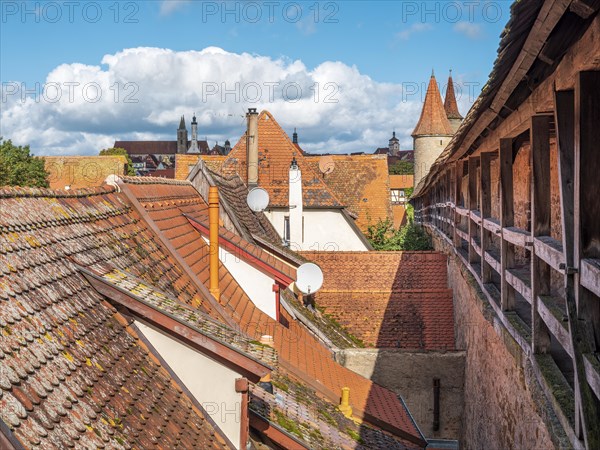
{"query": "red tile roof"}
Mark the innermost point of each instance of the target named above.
(301, 355)
(72, 373)
(275, 152)
(433, 120)
(156, 147)
(361, 183)
(450, 105)
(389, 299)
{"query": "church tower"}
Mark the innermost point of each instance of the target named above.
(451, 107)
(182, 136)
(394, 145)
(194, 145)
(432, 133)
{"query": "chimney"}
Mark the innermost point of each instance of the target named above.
(295, 205)
(252, 148)
(295, 137)
(213, 232)
(345, 407)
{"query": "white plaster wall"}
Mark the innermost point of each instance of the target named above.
(211, 383)
(324, 229)
(427, 150)
(257, 285)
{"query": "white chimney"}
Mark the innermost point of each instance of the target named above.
(252, 148)
(295, 204)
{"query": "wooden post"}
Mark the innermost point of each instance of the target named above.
(486, 212)
(472, 206)
(540, 226)
(507, 255)
(585, 332)
(458, 172)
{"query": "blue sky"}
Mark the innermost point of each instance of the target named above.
(380, 48)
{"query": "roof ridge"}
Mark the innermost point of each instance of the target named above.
(20, 191)
(154, 180)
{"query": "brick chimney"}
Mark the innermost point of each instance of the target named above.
(252, 148)
(213, 234)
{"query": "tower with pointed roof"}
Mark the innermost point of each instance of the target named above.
(432, 133)
(182, 136)
(194, 145)
(394, 145)
(450, 105)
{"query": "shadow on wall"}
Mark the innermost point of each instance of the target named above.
(414, 352)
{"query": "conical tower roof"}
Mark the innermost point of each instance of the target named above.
(433, 120)
(450, 102)
(182, 123)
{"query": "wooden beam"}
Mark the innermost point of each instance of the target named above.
(540, 226)
(458, 170)
(507, 215)
(472, 205)
(486, 211)
(586, 332)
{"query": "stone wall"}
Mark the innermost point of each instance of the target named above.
(411, 374)
(504, 407)
(427, 149)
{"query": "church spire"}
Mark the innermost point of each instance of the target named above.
(450, 104)
(433, 120)
(182, 123)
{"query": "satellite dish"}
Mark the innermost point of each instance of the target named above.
(258, 199)
(310, 278)
(326, 164)
(113, 180)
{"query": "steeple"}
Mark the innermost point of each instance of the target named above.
(432, 133)
(393, 145)
(295, 137)
(182, 136)
(433, 120)
(194, 145)
(450, 105)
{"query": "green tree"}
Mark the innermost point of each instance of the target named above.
(383, 236)
(402, 168)
(119, 151)
(18, 167)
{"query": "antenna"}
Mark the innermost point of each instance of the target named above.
(310, 278)
(326, 164)
(258, 199)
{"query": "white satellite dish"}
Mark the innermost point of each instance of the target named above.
(258, 199)
(310, 278)
(326, 164)
(113, 180)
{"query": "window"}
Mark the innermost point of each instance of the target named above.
(398, 196)
(286, 229)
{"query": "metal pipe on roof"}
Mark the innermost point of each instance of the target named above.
(213, 233)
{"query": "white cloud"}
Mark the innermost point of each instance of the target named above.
(169, 6)
(140, 93)
(413, 29)
(469, 29)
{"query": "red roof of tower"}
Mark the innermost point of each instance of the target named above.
(433, 119)
(450, 105)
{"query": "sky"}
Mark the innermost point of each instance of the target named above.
(76, 76)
